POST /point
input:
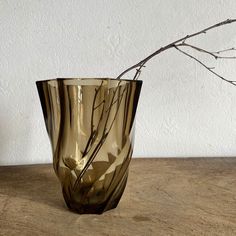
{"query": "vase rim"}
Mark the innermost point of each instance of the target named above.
(89, 78)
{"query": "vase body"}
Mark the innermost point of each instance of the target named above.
(90, 123)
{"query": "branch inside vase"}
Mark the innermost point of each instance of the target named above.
(92, 147)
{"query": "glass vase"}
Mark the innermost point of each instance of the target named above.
(90, 123)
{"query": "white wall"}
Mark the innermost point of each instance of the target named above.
(184, 111)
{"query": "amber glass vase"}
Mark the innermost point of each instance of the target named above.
(90, 123)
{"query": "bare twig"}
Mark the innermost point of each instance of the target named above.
(114, 102)
(181, 42)
(213, 54)
(99, 105)
(225, 50)
(106, 131)
(208, 68)
(109, 110)
(119, 100)
(92, 132)
(92, 148)
(93, 107)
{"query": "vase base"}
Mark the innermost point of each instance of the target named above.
(92, 209)
(99, 208)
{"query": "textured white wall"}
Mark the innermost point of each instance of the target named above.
(183, 112)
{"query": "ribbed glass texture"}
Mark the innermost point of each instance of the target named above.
(90, 123)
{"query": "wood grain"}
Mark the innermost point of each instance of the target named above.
(163, 197)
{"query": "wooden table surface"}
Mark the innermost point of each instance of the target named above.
(163, 197)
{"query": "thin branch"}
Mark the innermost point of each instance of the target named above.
(213, 54)
(93, 107)
(91, 149)
(208, 68)
(225, 50)
(138, 71)
(118, 98)
(92, 132)
(99, 105)
(112, 100)
(118, 106)
(140, 64)
(96, 131)
(106, 131)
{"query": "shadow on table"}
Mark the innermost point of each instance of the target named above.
(36, 183)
